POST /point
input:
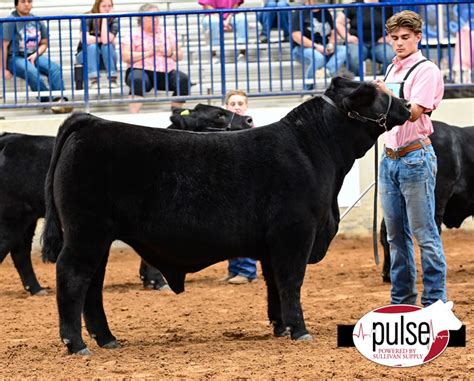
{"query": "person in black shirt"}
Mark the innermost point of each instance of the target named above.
(375, 44)
(314, 42)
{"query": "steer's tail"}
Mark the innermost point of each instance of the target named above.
(52, 238)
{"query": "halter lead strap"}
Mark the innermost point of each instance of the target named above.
(381, 119)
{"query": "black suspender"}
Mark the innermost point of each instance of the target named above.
(402, 94)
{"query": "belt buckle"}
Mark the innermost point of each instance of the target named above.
(391, 154)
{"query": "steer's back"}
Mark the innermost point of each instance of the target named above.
(174, 189)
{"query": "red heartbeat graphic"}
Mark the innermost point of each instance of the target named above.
(361, 332)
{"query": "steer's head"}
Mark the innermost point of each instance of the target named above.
(208, 118)
(364, 102)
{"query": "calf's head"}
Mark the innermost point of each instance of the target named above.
(364, 102)
(206, 118)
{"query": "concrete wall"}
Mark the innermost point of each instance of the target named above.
(358, 222)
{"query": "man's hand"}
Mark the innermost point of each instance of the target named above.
(32, 58)
(351, 39)
(381, 86)
(8, 74)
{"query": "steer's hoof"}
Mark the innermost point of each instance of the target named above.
(114, 344)
(282, 332)
(305, 337)
(83, 352)
(42, 292)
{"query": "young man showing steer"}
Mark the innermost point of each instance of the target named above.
(408, 168)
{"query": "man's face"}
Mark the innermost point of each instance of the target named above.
(24, 7)
(405, 42)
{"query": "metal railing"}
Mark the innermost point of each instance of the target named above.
(211, 66)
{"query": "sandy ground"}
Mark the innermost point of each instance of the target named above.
(218, 331)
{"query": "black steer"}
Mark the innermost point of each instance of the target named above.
(454, 191)
(24, 162)
(185, 201)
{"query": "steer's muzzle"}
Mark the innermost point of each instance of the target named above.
(249, 122)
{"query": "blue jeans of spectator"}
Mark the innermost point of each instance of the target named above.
(271, 19)
(246, 267)
(239, 26)
(97, 54)
(142, 81)
(407, 194)
(383, 55)
(32, 73)
(312, 60)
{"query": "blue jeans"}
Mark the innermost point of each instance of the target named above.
(383, 55)
(407, 194)
(312, 60)
(246, 267)
(239, 26)
(32, 73)
(271, 19)
(96, 55)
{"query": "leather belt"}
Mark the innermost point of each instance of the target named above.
(398, 153)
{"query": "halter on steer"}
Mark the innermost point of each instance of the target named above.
(226, 128)
(381, 119)
(382, 122)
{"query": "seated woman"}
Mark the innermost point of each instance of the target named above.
(100, 40)
(24, 46)
(152, 57)
(314, 43)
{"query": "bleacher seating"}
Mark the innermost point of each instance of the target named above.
(277, 74)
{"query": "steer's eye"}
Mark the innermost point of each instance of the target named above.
(221, 115)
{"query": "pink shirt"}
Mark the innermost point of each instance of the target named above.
(425, 87)
(221, 4)
(158, 62)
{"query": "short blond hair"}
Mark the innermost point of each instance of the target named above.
(404, 19)
(231, 93)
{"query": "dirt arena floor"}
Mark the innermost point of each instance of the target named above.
(218, 331)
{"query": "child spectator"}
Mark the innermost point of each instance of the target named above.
(240, 270)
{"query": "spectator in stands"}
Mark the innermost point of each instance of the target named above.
(152, 57)
(314, 42)
(269, 20)
(232, 21)
(240, 270)
(24, 47)
(101, 33)
(376, 45)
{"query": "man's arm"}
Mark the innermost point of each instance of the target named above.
(8, 75)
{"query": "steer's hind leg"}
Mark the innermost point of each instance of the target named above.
(77, 264)
(21, 256)
(273, 299)
(94, 314)
(152, 277)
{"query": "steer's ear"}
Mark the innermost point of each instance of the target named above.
(364, 95)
